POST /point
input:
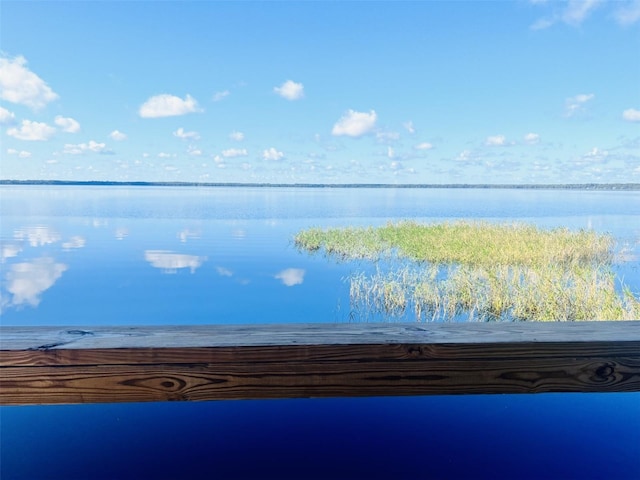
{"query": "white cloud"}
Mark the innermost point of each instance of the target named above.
(596, 154)
(574, 13)
(220, 95)
(578, 10)
(355, 124)
(180, 133)
(19, 153)
(291, 276)
(575, 105)
(27, 280)
(67, 124)
(170, 262)
(390, 152)
(165, 155)
(387, 137)
(496, 141)
(6, 117)
(631, 115)
(32, 131)
(117, 136)
(532, 138)
(628, 14)
(234, 152)
(290, 90)
(194, 151)
(424, 146)
(409, 127)
(166, 105)
(272, 154)
(91, 147)
(237, 136)
(20, 85)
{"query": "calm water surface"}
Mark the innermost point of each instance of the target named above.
(111, 255)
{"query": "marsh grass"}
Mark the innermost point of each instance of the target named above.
(478, 270)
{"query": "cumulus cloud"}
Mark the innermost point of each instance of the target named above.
(20, 85)
(91, 147)
(272, 154)
(67, 124)
(596, 154)
(409, 127)
(6, 117)
(387, 137)
(237, 136)
(631, 115)
(117, 136)
(180, 133)
(531, 138)
(496, 141)
(574, 13)
(291, 276)
(576, 105)
(170, 262)
(32, 131)
(355, 124)
(19, 153)
(166, 105)
(424, 146)
(628, 13)
(234, 152)
(28, 280)
(220, 95)
(290, 90)
(194, 151)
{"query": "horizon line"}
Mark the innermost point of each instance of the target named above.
(558, 186)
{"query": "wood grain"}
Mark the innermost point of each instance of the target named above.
(43, 365)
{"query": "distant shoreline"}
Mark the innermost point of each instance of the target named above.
(568, 186)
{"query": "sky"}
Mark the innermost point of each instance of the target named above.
(419, 92)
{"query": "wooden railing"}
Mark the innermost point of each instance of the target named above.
(49, 365)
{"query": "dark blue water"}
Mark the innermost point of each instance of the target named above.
(86, 256)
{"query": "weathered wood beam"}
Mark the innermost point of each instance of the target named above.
(48, 365)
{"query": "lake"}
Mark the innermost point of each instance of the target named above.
(194, 255)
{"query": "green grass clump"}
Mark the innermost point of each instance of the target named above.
(469, 243)
(486, 271)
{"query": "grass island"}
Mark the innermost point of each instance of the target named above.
(478, 270)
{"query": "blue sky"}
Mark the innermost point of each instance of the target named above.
(321, 92)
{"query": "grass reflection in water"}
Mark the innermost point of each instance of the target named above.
(478, 270)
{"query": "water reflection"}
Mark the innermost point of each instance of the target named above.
(37, 236)
(74, 242)
(26, 281)
(171, 262)
(9, 251)
(224, 272)
(230, 254)
(187, 234)
(291, 276)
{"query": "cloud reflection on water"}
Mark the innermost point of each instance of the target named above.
(291, 276)
(27, 280)
(37, 236)
(171, 262)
